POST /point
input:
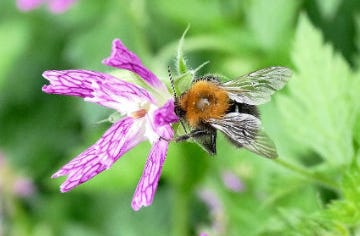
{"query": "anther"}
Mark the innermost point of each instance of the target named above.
(138, 114)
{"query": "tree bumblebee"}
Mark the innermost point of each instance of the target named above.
(230, 107)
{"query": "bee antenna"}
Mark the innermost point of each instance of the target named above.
(172, 82)
(174, 91)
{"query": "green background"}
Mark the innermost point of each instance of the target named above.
(312, 189)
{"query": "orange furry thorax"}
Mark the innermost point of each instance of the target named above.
(204, 100)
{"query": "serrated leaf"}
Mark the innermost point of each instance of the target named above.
(319, 110)
(351, 187)
(347, 210)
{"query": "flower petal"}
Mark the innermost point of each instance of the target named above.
(165, 114)
(97, 87)
(146, 188)
(120, 138)
(123, 58)
(158, 122)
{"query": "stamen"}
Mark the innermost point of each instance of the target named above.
(138, 114)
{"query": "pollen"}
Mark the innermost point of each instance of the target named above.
(203, 101)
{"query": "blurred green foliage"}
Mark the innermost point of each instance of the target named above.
(315, 121)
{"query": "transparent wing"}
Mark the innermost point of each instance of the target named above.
(257, 87)
(244, 130)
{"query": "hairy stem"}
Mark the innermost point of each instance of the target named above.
(308, 174)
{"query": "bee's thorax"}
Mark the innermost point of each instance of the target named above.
(204, 100)
(202, 103)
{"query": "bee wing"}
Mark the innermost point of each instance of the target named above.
(257, 87)
(245, 130)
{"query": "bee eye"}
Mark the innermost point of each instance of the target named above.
(179, 112)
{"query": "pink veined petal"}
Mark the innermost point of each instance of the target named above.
(28, 5)
(120, 138)
(122, 58)
(154, 132)
(165, 132)
(165, 114)
(158, 122)
(146, 188)
(60, 6)
(96, 87)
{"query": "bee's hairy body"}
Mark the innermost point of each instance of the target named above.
(230, 107)
(206, 100)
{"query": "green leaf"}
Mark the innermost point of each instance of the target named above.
(346, 212)
(180, 60)
(319, 110)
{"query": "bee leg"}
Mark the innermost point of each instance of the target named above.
(183, 126)
(162, 138)
(206, 138)
(193, 134)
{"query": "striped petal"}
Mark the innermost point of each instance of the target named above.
(165, 114)
(123, 58)
(120, 138)
(97, 87)
(146, 188)
(158, 122)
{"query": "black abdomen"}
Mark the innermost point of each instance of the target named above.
(244, 108)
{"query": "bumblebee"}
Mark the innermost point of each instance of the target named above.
(230, 107)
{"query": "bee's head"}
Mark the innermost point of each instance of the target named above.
(178, 110)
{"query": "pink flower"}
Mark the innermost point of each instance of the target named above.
(232, 181)
(146, 116)
(55, 6)
(216, 210)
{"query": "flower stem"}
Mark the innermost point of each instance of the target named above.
(308, 174)
(187, 175)
(181, 213)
